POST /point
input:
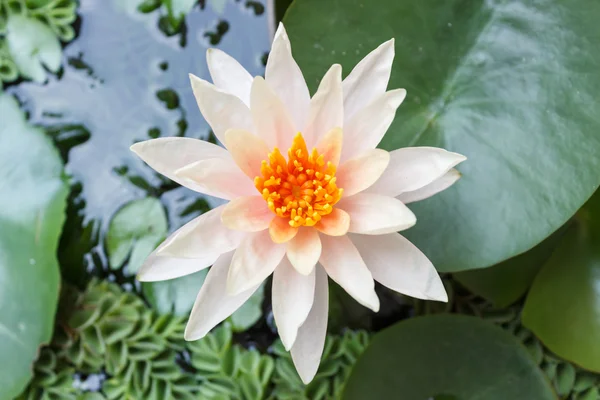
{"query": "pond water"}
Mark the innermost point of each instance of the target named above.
(125, 81)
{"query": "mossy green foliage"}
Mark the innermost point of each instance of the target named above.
(108, 330)
(30, 35)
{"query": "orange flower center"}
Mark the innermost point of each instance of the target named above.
(302, 188)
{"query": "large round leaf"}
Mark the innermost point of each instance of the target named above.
(446, 357)
(563, 305)
(32, 203)
(511, 84)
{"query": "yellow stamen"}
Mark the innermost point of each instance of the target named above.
(303, 188)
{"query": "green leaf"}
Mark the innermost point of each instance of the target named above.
(174, 296)
(450, 355)
(135, 230)
(563, 305)
(32, 46)
(493, 80)
(507, 282)
(249, 313)
(32, 203)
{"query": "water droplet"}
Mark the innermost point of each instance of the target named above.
(449, 24)
(32, 261)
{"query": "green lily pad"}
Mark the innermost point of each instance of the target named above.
(507, 282)
(175, 296)
(446, 357)
(493, 80)
(563, 305)
(33, 46)
(32, 204)
(134, 232)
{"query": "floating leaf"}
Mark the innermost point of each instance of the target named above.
(175, 296)
(483, 79)
(32, 203)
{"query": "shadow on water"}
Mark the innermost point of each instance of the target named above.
(124, 81)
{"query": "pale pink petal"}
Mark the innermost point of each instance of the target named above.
(281, 231)
(336, 223)
(162, 268)
(219, 177)
(248, 151)
(228, 75)
(374, 214)
(271, 118)
(308, 346)
(326, 107)
(400, 265)
(412, 168)
(167, 155)
(304, 250)
(440, 184)
(285, 78)
(213, 304)
(368, 126)
(248, 214)
(204, 235)
(292, 299)
(368, 79)
(222, 111)
(359, 173)
(344, 265)
(330, 146)
(253, 262)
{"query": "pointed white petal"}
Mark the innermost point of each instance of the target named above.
(248, 151)
(200, 237)
(228, 75)
(213, 304)
(368, 126)
(222, 111)
(400, 265)
(219, 176)
(326, 107)
(344, 265)
(368, 79)
(293, 296)
(253, 261)
(330, 146)
(285, 78)
(374, 214)
(248, 214)
(308, 347)
(271, 118)
(304, 250)
(439, 185)
(359, 173)
(412, 168)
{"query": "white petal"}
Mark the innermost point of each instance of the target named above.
(304, 250)
(368, 79)
(228, 75)
(440, 184)
(271, 118)
(248, 151)
(204, 235)
(400, 265)
(285, 78)
(368, 126)
(253, 261)
(335, 223)
(222, 111)
(326, 107)
(213, 304)
(248, 214)
(374, 214)
(162, 268)
(330, 146)
(308, 347)
(412, 168)
(219, 176)
(359, 173)
(292, 299)
(343, 264)
(167, 155)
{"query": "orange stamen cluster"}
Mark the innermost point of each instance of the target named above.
(302, 188)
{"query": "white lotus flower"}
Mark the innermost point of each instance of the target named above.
(331, 211)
